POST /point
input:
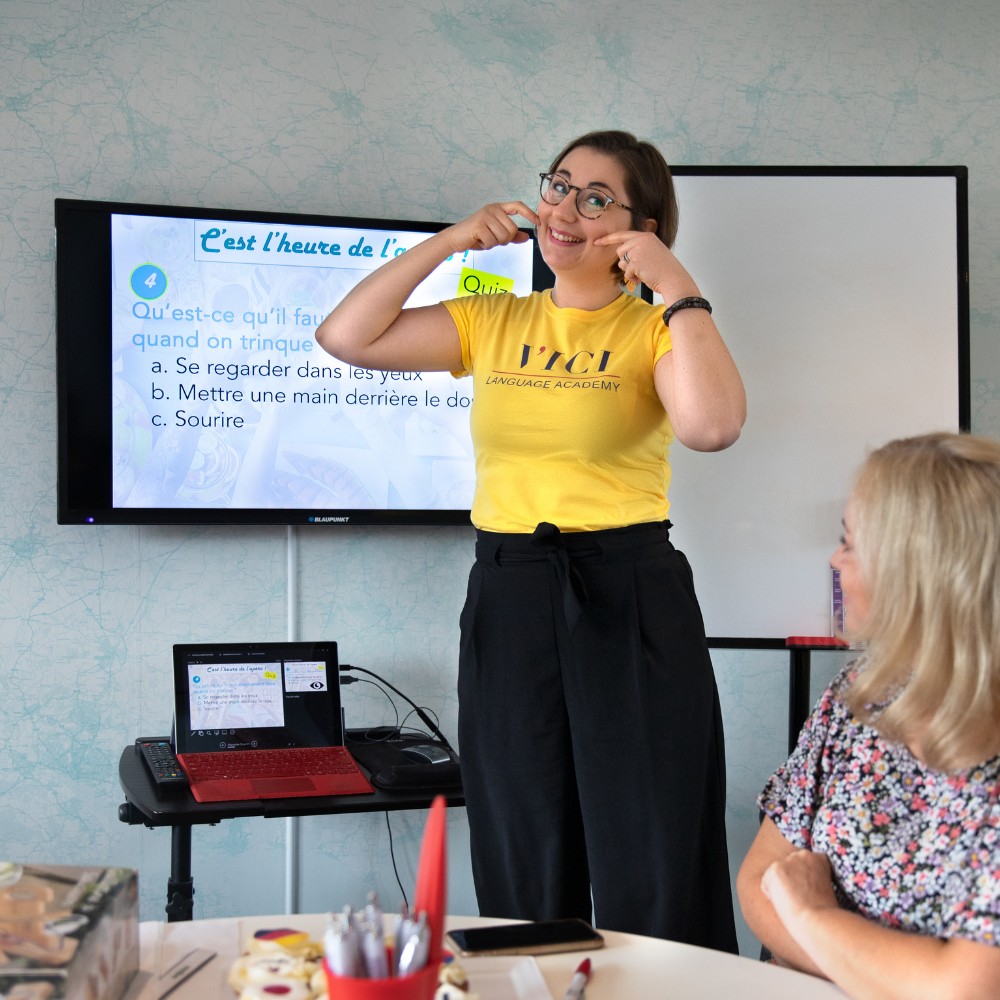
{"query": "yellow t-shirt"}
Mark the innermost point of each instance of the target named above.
(566, 423)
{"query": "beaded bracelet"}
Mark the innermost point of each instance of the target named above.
(692, 302)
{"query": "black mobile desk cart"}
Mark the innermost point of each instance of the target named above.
(178, 810)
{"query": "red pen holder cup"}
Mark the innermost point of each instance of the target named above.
(429, 898)
(418, 986)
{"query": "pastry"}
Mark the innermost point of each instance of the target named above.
(284, 940)
(278, 962)
(249, 969)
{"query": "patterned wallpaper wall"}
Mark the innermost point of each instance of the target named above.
(415, 109)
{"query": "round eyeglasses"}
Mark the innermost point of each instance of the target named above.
(591, 203)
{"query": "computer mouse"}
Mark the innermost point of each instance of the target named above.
(426, 753)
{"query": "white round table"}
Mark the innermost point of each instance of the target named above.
(627, 966)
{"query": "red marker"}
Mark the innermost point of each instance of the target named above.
(579, 981)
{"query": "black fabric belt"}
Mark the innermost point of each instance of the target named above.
(560, 549)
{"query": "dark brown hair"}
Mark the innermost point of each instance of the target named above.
(649, 186)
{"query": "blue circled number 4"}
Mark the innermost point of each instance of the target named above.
(150, 282)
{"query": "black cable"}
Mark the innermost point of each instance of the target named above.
(427, 721)
(421, 714)
(395, 870)
(392, 704)
(382, 733)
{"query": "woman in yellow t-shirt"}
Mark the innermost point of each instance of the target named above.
(589, 724)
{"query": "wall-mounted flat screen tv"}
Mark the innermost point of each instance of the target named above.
(191, 388)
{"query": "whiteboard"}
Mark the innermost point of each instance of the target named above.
(843, 297)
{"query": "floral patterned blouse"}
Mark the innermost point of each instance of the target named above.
(910, 847)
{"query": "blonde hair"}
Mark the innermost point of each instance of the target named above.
(926, 530)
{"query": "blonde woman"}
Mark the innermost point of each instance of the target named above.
(877, 864)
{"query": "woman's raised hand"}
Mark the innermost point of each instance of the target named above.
(491, 226)
(643, 258)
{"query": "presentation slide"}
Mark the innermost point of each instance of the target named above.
(305, 676)
(222, 398)
(224, 698)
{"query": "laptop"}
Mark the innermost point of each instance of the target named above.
(262, 720)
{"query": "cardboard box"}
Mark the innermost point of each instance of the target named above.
(67, 932)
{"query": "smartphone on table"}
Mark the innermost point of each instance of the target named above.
(540, 937)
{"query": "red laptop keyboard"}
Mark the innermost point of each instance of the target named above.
(269, 763)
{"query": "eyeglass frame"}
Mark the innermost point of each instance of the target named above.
(543, 177)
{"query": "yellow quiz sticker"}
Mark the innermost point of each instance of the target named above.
(471, 282)
(270, 675)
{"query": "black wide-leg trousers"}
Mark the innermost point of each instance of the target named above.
(590, 735)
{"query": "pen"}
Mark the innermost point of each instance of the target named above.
(183, 970)
(404, 929)
(413, 956)
(373, 952)
(373, 940)
(341, 945)
(579, 981)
